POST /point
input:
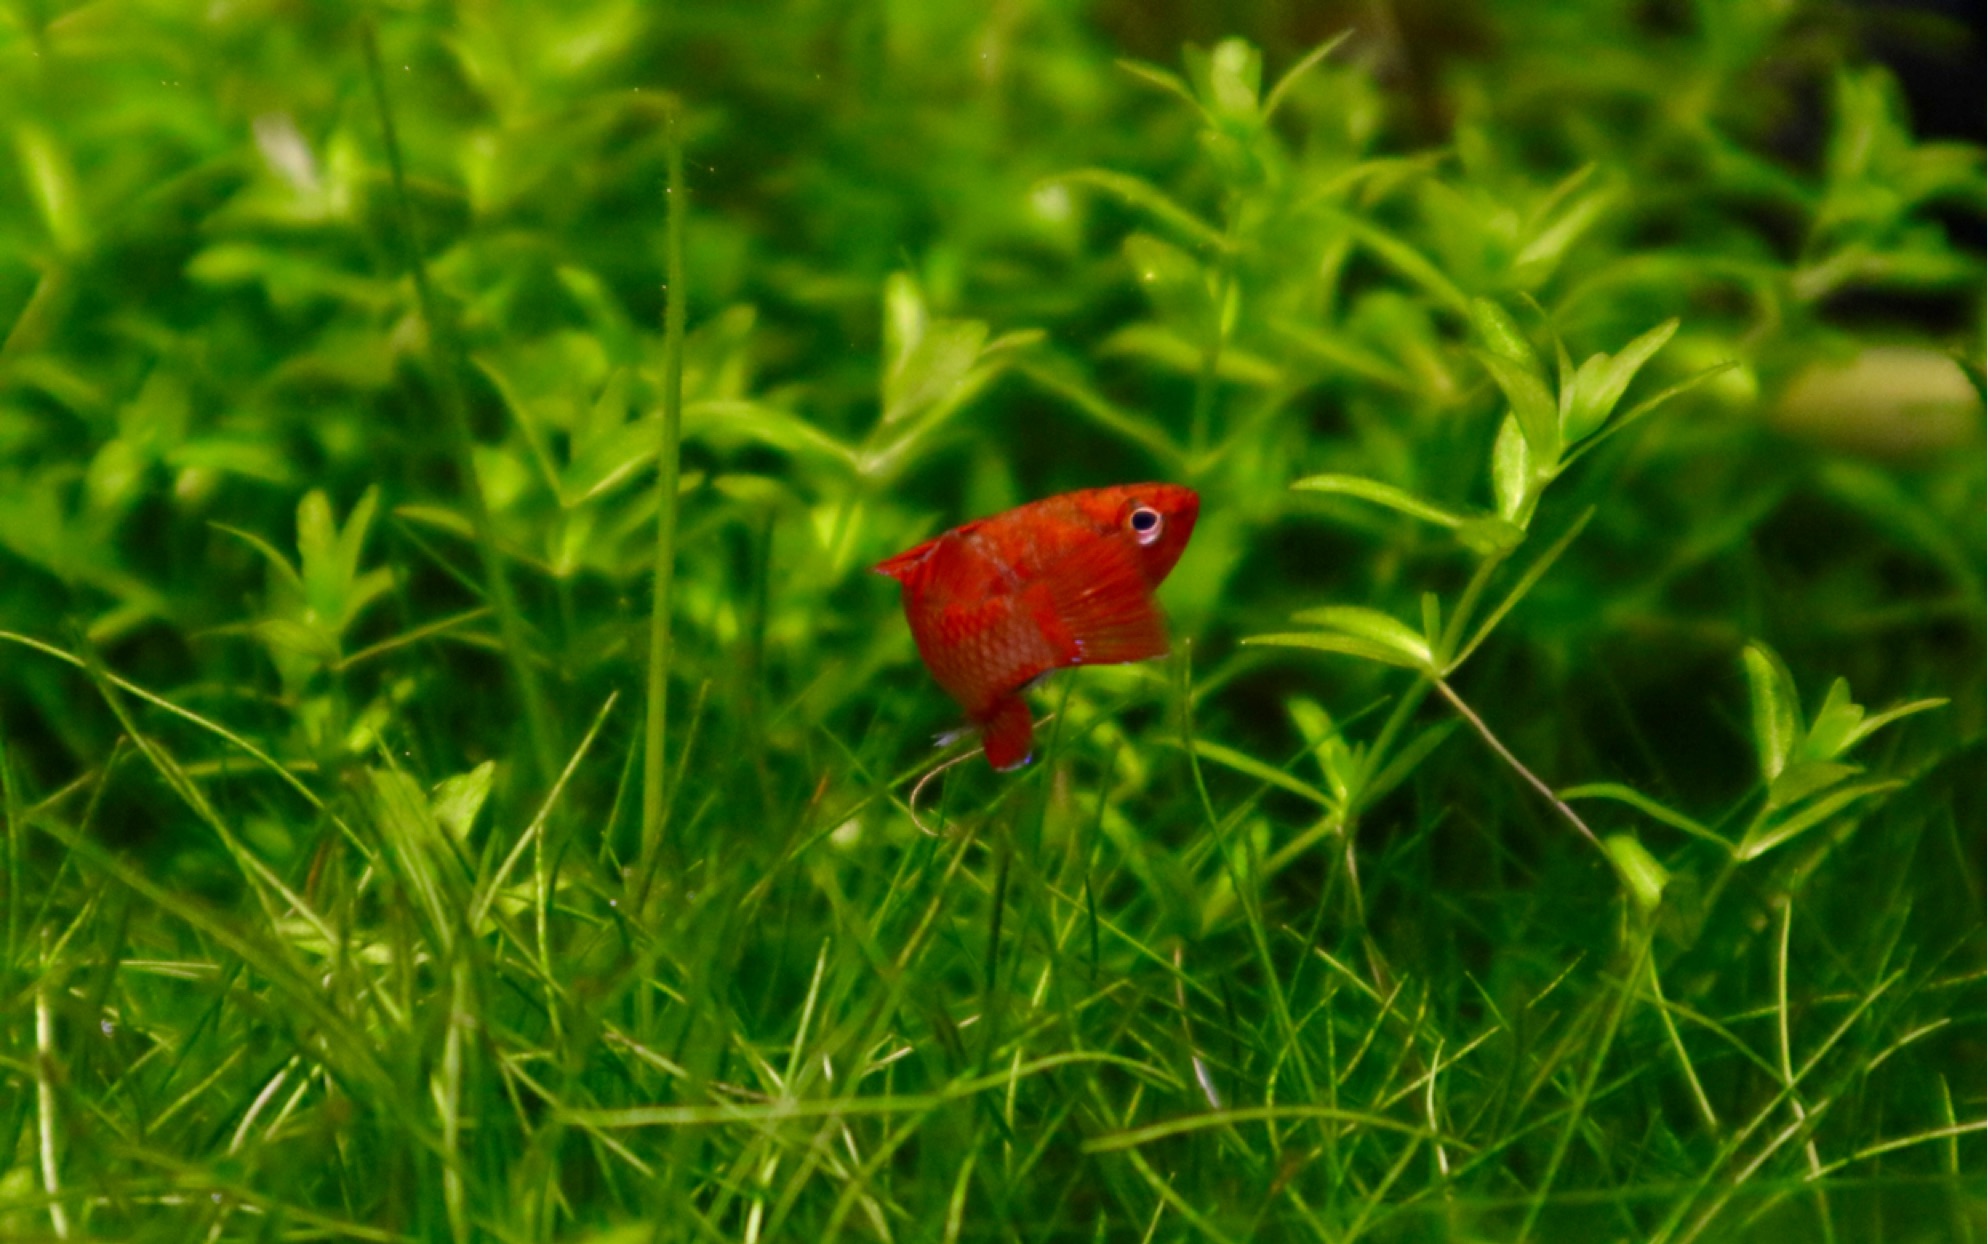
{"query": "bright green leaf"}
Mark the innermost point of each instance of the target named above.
(1165, 80)
(1540, 256)
(1235, 79)
(932, 368)
(52, 178)
(1491, 537)
(1765, 840)
(1297, 71)
(1148, 198)
(1829, 734)
(1381, 494)
(1640, 872)
(1372, 626)
(1600, 383)
(1405, 260)
(1349, 645)
(1250, 766)
(458, 799)
(1648, 806)
(1539, 418)
(1777, 713)
(1500, 334)
(1802, 778)
(1511, 470)
(1877, 721)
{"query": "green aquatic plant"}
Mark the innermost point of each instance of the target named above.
(455, 764)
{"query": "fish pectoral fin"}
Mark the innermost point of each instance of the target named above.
(1008, 733)
(1098, 594)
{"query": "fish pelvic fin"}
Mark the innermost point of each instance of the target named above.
(1008, 734)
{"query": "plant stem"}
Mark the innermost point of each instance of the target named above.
(654, 764)
(1531, 778)
(447, 355)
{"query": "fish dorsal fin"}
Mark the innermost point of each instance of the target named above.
(919, 559)
(1097, 595)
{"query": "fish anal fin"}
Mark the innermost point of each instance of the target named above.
(1100, 608)
(1008, 733)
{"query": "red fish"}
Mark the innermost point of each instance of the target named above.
(1067, 580)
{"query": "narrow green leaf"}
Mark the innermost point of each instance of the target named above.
(1405, 260)
(1150, 199)
(733, 422)
(1538, 417)
(352, 543)
(1563, 375)
(1777, 713)
(317, 556)
(1381, 494)
(607, 461)
(400, 814)
(1501, 335)
(1549, 246)
(1803, 778)
(1373, 626)
(1643, 408)
(1241, 762)
(1811, 816)
(1298, 71)
(285, 572)
(1342, 351)
(439, 517)
(933, 368)
(458, 799)
(361, 592)
(1597, 392)
(52, 179)
(1649, 807)
(312, 641)
(1511, 469)
(1829, 734)
(1326, 642)
(1877, 721)
(1335, 760)
(1165, 348)
(1165, 80)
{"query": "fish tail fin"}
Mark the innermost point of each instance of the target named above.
(1008, 734)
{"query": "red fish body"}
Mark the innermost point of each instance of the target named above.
(1068, 580)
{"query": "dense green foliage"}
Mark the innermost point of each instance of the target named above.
(1504, 853)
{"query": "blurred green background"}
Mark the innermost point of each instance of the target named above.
(1633, 352)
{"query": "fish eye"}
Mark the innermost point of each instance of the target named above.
(1146, 524)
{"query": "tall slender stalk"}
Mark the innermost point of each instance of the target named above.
(654, 765)
(17, 903)
(447, 353)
